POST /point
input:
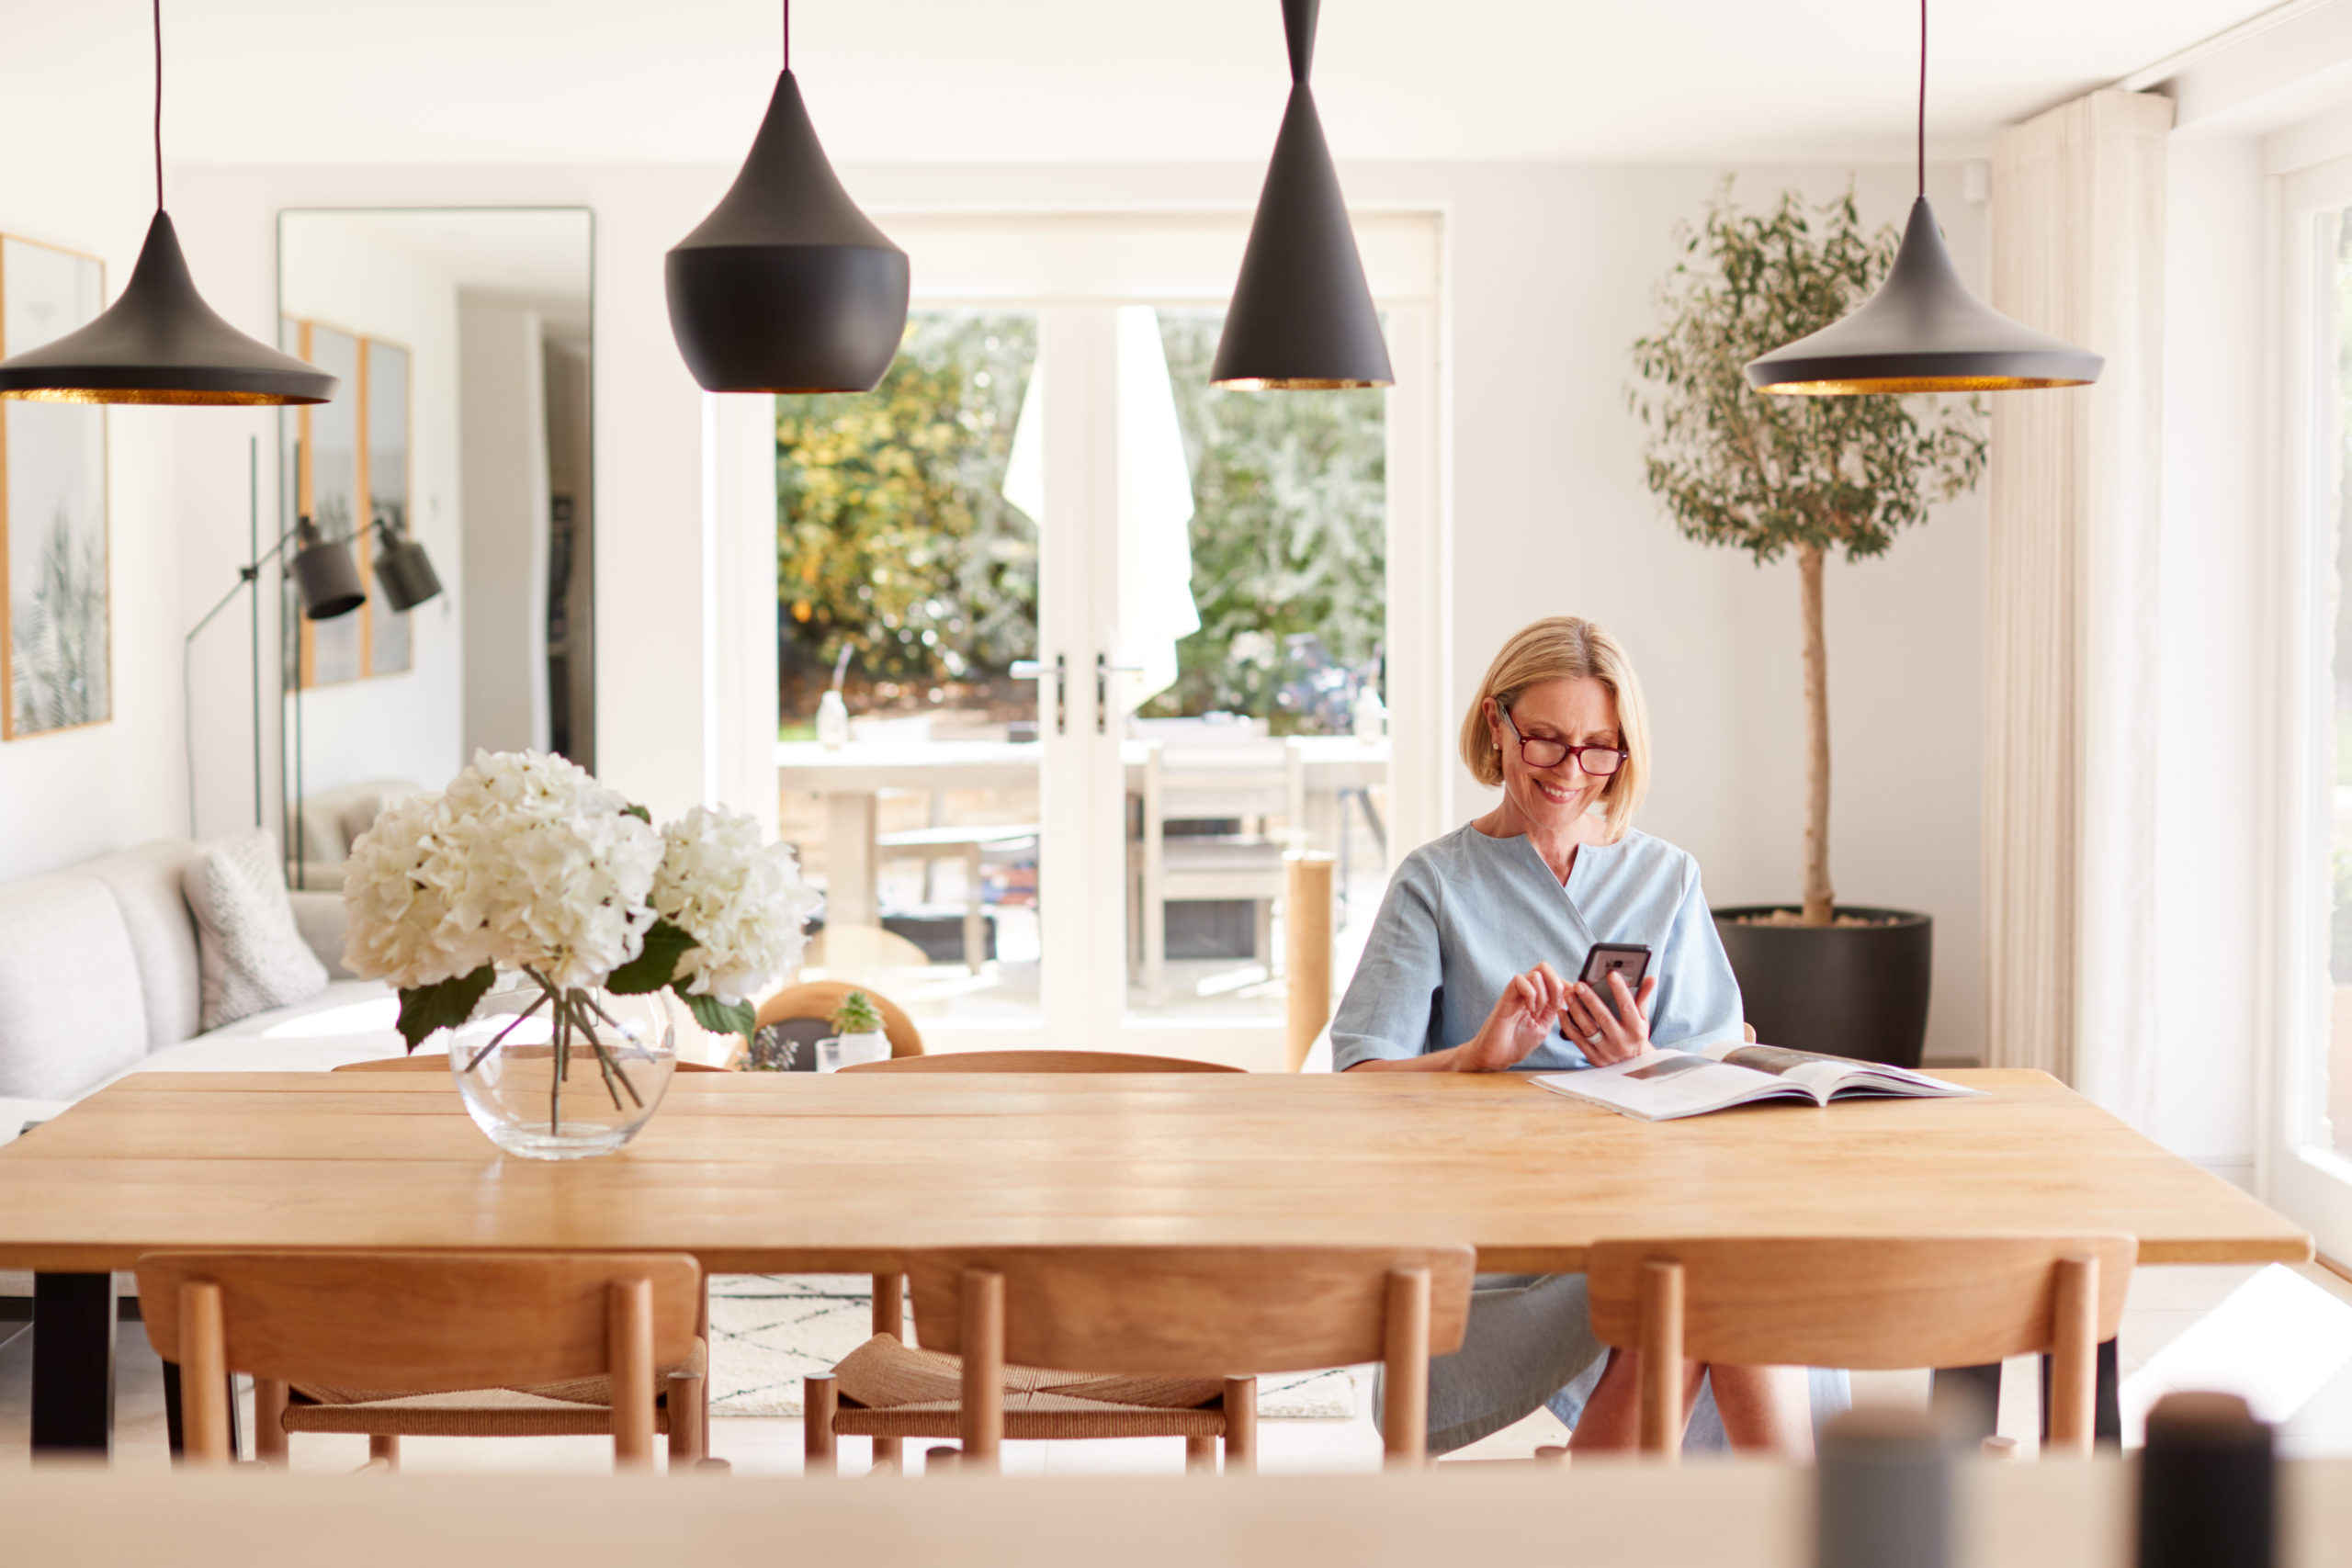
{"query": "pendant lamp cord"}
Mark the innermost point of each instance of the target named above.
(159, 105)
(1923, 98)
(787, 34)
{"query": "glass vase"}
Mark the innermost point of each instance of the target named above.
(564, 1074)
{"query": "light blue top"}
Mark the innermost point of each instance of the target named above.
(1467, 912)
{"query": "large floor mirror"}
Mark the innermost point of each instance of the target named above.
(463, 339)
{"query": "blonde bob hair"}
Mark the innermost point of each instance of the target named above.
(1565, 648)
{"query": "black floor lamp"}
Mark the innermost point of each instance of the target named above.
(328, 585)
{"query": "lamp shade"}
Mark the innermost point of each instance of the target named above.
(786, 286)
(1302, 314)
(159, 343)
(324, 575)
(1923, 332)
(405, 572)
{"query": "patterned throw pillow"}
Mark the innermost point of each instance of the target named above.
(254, 958)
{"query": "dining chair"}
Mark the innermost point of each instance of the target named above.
(1866, 1303)
(806, 1010)
(1040, 1062)
(1247, 780)
(1176, 1337)
(883, 1350)
(479, 1344)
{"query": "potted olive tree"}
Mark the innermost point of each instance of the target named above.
(1801, 476)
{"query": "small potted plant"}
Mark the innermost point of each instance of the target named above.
(858, 1036)
(1775, 475)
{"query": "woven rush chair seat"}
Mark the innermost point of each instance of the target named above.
(891, 1389)
(581, 1407)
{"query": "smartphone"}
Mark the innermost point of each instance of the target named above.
(1630, 958)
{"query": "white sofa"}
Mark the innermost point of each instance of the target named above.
(99, 978)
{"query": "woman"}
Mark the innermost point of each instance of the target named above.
(1468, 969)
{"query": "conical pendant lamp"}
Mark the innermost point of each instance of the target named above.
(159, 343)
(1302, 315)
(1923, 330)
(786, 286)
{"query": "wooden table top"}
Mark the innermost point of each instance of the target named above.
(776, 1172)
(1617, 1515)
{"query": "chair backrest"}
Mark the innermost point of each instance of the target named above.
(1254, 777)
(1868, 1302)
(1194, 1312)
(1039, 1062)
(421, 1323)
(821, 998)
(438, 1062)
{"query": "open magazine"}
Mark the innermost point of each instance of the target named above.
(1663, 1084)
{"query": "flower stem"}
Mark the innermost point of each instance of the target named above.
(500, 1038)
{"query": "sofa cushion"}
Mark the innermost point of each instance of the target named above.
(351, 1020)
(146, 884)
(72, 1011)
(254, 955)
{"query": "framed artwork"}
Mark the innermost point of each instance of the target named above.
(384, 479)
(54, 609)
(327, 491)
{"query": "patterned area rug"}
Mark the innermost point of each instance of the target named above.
(768, 1331)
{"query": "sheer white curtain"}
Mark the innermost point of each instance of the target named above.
(2071, 606)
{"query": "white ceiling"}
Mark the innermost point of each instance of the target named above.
(572, 81)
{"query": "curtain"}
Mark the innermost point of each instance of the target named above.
(2071, 606)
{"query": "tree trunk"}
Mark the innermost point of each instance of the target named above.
(1819, 900)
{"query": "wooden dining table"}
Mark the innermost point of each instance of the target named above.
(763, 1173)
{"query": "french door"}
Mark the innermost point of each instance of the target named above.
(998, 780)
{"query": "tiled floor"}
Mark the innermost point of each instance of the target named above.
(2165, 1304)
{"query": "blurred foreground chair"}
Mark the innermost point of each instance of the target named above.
(1866, 1303)
(1176, 1337)
(485, 1345)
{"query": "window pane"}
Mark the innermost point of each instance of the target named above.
(908, 587)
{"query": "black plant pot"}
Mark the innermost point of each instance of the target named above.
(1858, 991)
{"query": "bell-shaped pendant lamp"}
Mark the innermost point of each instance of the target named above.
(159, 343)
(786, 286)
(1302, 315)
(1923, 330)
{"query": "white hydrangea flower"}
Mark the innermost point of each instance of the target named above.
(408, 877)
(562, 873)
(743, 901)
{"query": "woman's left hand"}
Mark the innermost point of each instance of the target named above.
(1607, 1035)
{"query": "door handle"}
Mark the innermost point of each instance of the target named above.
(1030, 669)
(1103, 671)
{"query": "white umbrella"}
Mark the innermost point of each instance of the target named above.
(1156, 608)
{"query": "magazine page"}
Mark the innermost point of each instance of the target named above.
(1830, 1074)
(1663, 1084)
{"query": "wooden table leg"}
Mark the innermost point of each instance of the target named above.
(72, 1363)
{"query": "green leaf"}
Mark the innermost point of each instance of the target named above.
(638, 812)
(720, 1018)
(443, 1006)
(656, 965)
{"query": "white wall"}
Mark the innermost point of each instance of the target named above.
(404, 726)
(68, 795)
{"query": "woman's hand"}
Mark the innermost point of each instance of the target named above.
(1522, 1018)
(1607, 1037)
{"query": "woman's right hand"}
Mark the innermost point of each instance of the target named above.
(1522, 1018)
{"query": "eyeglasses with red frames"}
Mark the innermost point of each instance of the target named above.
(1543, 751)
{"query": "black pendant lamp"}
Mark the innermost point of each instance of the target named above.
(786, 286)
(1302, 315)
(1923, 330)
(159, 343)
